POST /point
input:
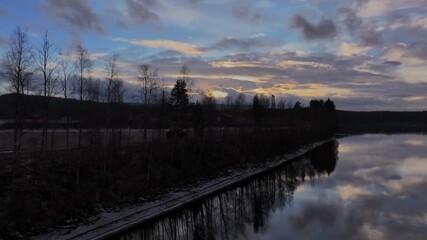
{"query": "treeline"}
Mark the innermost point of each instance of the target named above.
(351, 122)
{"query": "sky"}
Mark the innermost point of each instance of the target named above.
(363, 54)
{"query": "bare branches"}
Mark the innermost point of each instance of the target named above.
(65, 72)
(47, 63)
(83, 65)
(114, 91)
(17, 64)
(148, 79)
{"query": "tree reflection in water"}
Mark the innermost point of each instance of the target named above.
(226, 215)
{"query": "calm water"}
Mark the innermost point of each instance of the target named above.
(361, 187)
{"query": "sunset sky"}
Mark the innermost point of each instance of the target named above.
(364, 54)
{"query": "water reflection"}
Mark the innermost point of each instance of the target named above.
(230, 214)
(376, 191)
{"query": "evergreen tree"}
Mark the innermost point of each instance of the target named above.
(330, 105)
(179, 95)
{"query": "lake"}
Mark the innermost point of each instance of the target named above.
(357, 187)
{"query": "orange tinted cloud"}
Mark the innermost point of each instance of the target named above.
(168, 44)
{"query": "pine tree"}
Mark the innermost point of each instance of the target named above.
(179, 95)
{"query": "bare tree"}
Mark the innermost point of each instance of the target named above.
(17, 67)
(162, 100)
(65, 72)
(113, 74)
(17, 70)
(117, 91)
(281, 104)
(93, 90)
(227, 102)
(148, 79)
(114, 87)
(238, 109)
(83, 65)
(46, 61)
(65, 75)
(209, 108)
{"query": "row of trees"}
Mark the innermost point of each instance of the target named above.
(43, 69)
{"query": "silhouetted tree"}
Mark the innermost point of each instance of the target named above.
(281, 104)
(179, 96)
(112, 76)
(162, 102)
(148, 79)
(83, 65)
(238, 110)
(297, 105)
(329, 105)
(227, 102)
(209, 107)
(17, 70)
(65, 75)
(199, 120)
(114, 90)
(93, 90)
(257, 112)
(273, 102)
(179, 100)
(316, 104)
(47, 63)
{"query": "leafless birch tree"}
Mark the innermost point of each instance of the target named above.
(148, 79)
(46, 61)
(17, 71)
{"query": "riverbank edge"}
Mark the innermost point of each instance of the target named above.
(110, 224)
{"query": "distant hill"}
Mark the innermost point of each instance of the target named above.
(93, 113)
(34, 106)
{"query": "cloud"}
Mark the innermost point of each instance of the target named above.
(368, 33)
(372, 8)
(254, 41)
(236, 64)
(243, 12)
(77, 13)
(407, 21)
(351, 20)
(392, 63)
(216, 93)
(167, 44)
(348, 192)
(142, 13)
(324, 29)
(348, 49)
(118, 15)
(303, 64)
(411, 54)
(349, 81)
(194, 1)
(257, 35)
(134, 13)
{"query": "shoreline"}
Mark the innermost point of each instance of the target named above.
(110, 223)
